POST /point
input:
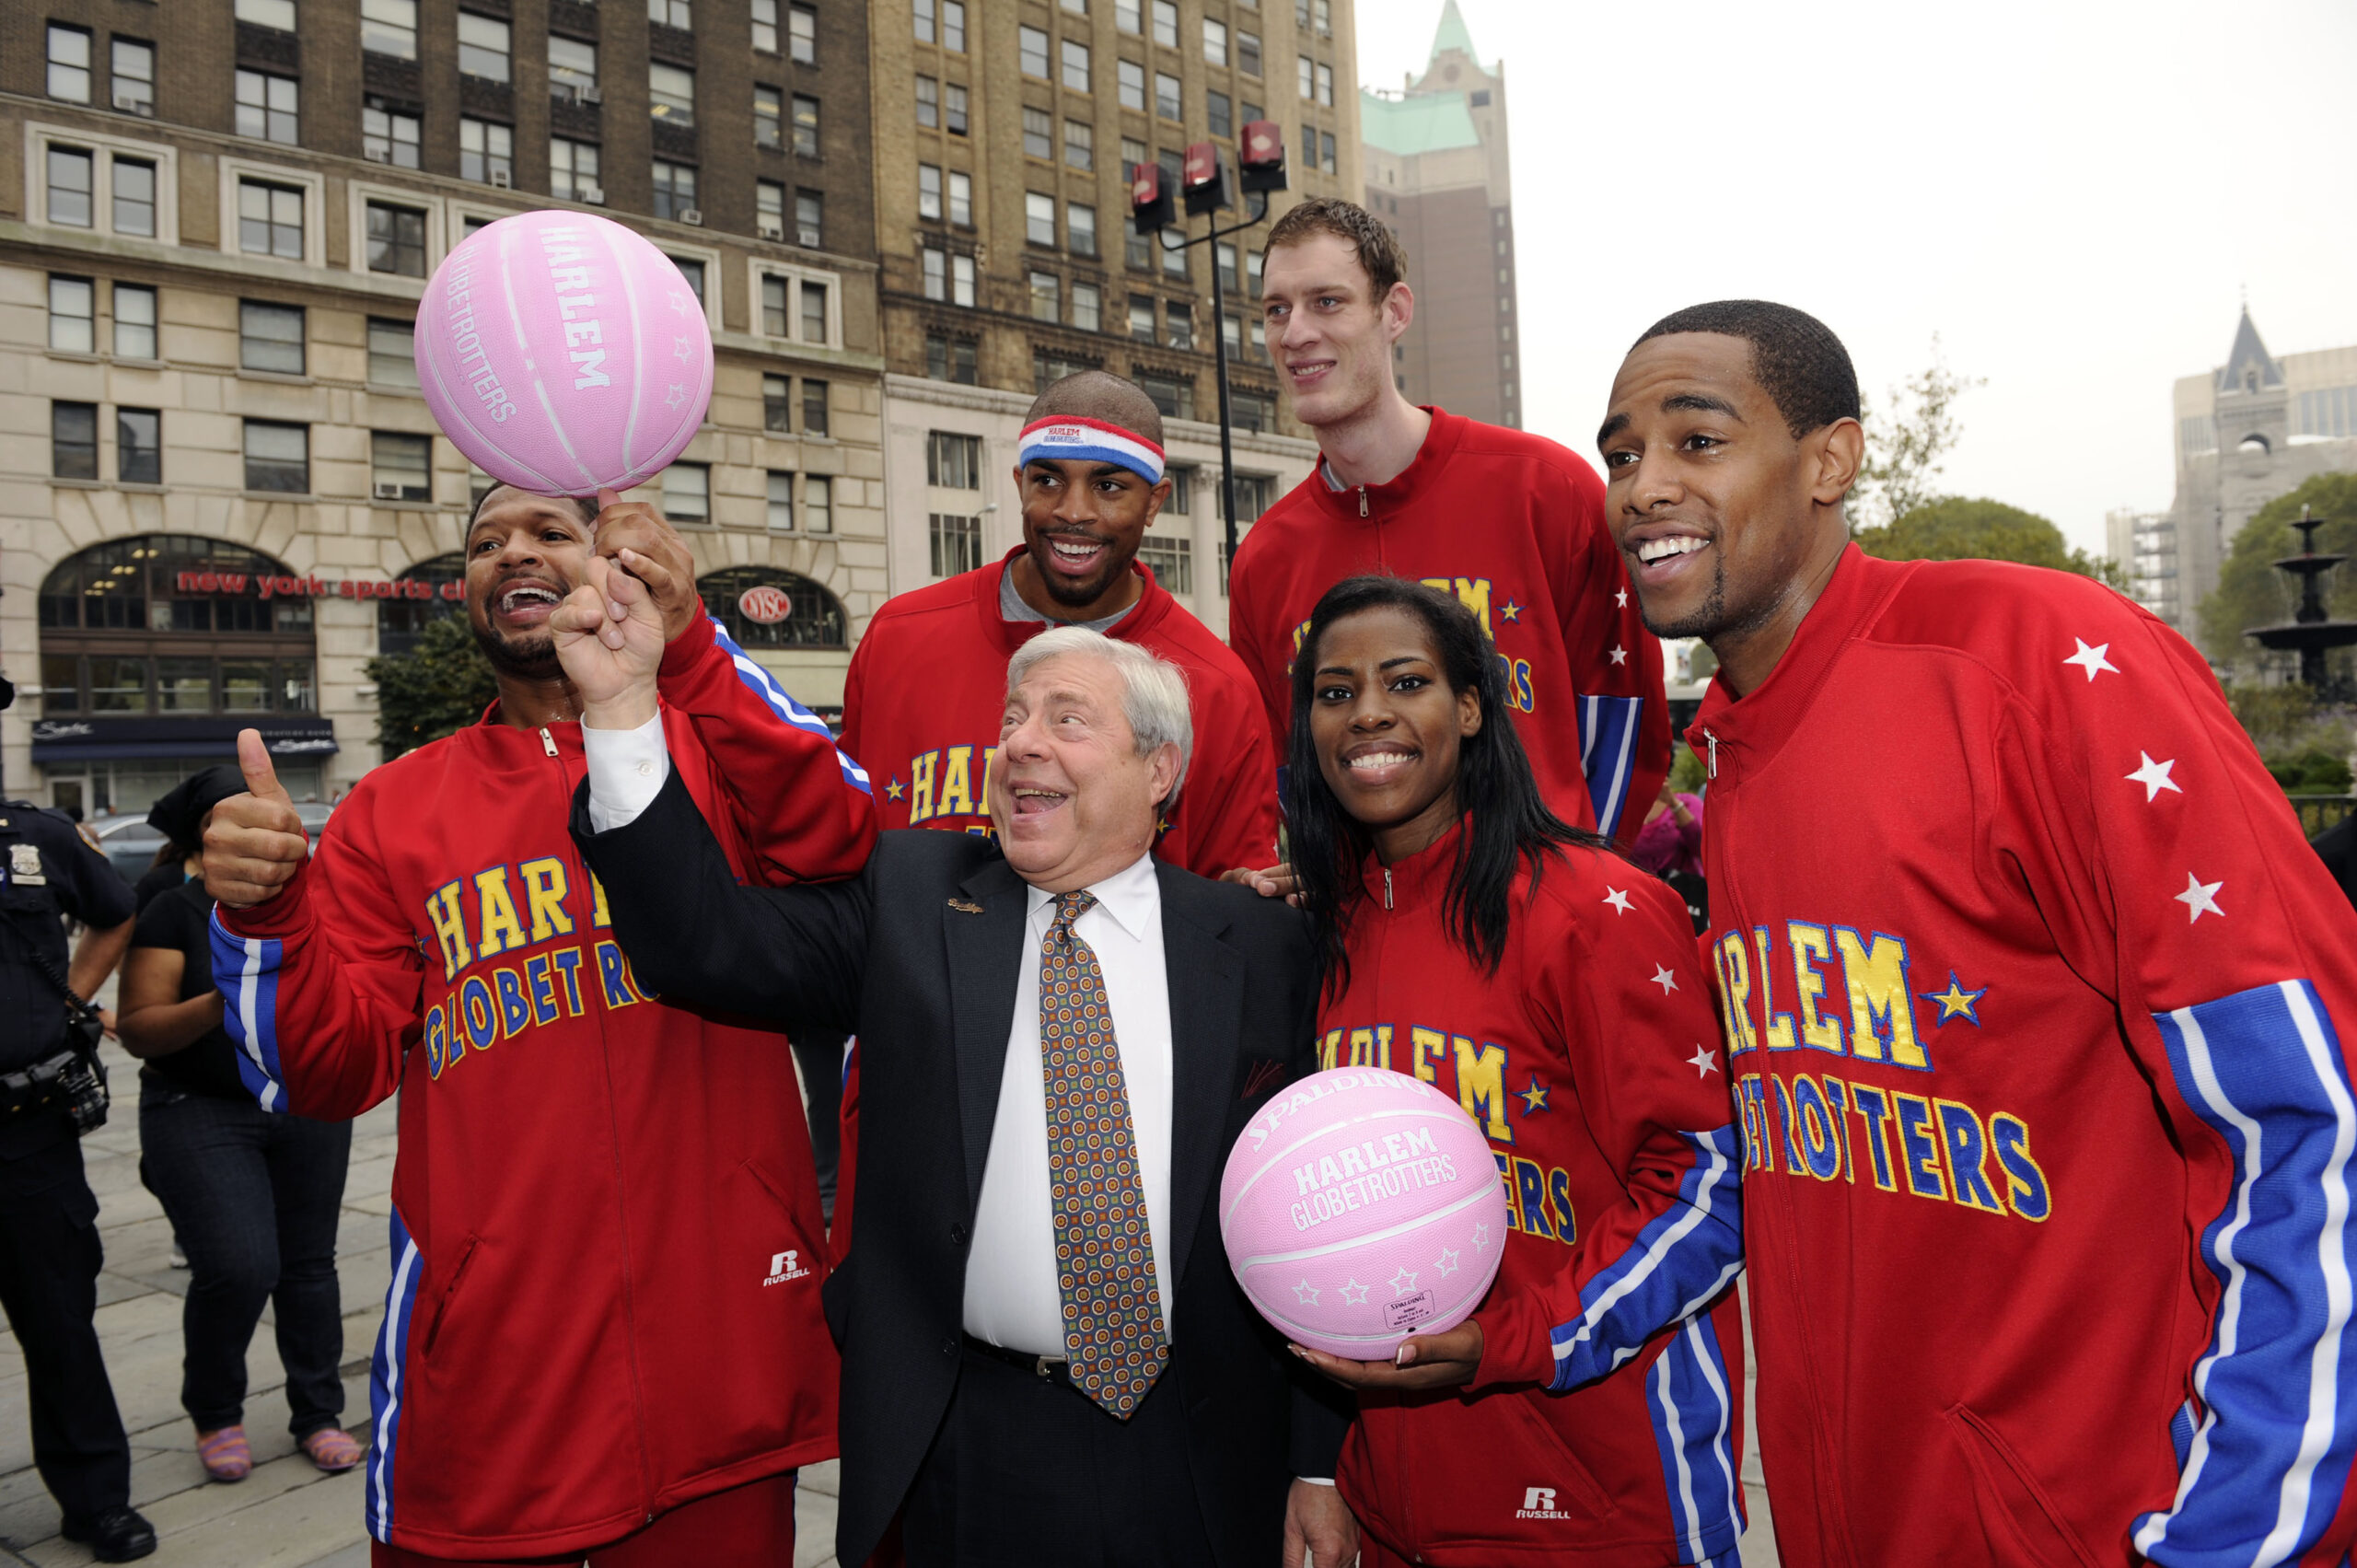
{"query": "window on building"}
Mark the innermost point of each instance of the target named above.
(957, 544)
(74, 440)
(1077, 7)
(1087, 307)
(1050, 365)
(948, 359)
(1322, 13)
(691, 272)
(1224, 258)
(69, 62)
(1214, 43)
(396, 240)
(777, 404)
(1171, 559)
(1128, 16)
(1308, 75)
(1182, 492)
(928, 191)
(133, 79)
(933, 265)
(928, 102)
(1039, 130)
(388, 135)
(953, 109)
(486, 152)
(776, 292)
(278, 456)
(817, 403)
(924, 23)
(69, 186)
(1166, 96)
(1309, 147)
(802, 34)
(953, 26)
(73, 315)
(1130, 84)
(1075, 63)
(765, 26)
(573, 169)
(1047, 298)
(134, 322)
(483, 47)
(809, 214)
(139, 446)
(1326, 86)
(687, 493)
(961, 281)
(769, 208)
(1219, 113)
(671, 93)
(1039, 218)
(677, 14)
(269, 219)
(270, 337)
(961, 198)
(1173, 263)
(390, 28)
(1247, 54)
(1142, 318)
(266, 106)
(818, 507)
(1080, 227)
(1032, 51)
(806, 125)
(953, 462)
(781, 502)
(1165, 23)
(768, 118)
(1080, 145)
(814, 322)
(675, 188)
(401, 467)
(1326, 160)
(1172, 393)
(1181, 318)
(1256, 412)
(392, 353)
(134, 197)
(573, 67)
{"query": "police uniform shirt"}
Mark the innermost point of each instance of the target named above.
(46, 872)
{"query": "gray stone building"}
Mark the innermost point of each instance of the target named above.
(2247, 432)
(1438, 172)
(1004, 139)
(220, 491)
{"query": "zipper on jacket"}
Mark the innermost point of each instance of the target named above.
(1711, 769)
(548, 741)
(1387, 886)
(1362, 512)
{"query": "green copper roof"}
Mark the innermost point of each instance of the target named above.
(1452, 34)
(1429, 122)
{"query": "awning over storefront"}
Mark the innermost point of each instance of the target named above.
(115, 740)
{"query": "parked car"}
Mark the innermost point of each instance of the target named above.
(131, 846)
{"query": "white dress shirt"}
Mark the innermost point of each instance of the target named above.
(1014, 1294)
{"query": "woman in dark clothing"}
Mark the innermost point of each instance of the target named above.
(253, 1195)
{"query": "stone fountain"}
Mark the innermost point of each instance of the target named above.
(2312, 634)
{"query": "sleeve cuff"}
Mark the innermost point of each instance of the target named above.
(1314, 1479)
(1509, 1353)
(687, 650)
(627, 768)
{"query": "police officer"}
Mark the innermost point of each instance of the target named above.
(48, 1234)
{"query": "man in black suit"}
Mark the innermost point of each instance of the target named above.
(1046, 1360)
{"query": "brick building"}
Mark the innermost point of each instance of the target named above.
(220, 491)
(1004, 138)
(1437, 171)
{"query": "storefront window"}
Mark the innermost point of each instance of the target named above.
(763, 608)
(400, 621)
(170, 623)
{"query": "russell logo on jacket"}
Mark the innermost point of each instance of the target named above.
(785, 1266)
(1539, 1502)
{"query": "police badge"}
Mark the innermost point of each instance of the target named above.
(23, 863)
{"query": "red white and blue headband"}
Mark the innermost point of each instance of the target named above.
(1069, 439)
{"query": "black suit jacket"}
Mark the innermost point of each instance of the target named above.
(919, 955)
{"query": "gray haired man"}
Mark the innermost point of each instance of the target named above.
(1046, 1360)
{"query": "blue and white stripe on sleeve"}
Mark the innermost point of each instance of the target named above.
(2267, 1461)
(245, 971)
(387, 1370)
(1691, 1401)
(764, 685)
(1677, 1263)
(1608, 727)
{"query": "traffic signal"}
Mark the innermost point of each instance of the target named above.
(1262, 156)
(1150, 205)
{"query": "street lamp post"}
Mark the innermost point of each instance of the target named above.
(1203, 183)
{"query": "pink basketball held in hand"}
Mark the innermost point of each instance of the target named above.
(1362, 1206)
(563, 354)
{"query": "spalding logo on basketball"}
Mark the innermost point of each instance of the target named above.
(563, 354)
(764, 605)
(1359, 1207)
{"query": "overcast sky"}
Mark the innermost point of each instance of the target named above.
(2073, 196)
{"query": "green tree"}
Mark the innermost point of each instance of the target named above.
(1907, 450)
(2251, 592)
(437, 687)
(1956, 529)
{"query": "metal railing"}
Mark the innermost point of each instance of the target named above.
(2318, 812)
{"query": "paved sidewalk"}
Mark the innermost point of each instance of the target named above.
(285, 1515)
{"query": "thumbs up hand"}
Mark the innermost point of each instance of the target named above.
(255, 842)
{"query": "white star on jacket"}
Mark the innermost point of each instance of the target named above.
(1704, 1063)
(1618, 899)
(1663, 977)
(1619, 655)
(2154, 777)
(2200, 898)
(2091, 660)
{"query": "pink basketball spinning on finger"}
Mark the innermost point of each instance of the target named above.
(562, 354)
(1360, 1206)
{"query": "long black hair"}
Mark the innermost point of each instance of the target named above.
(1505, 820)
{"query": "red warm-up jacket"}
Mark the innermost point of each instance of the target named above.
(606, 1241)
(1605, 1422)
(928, 684)
(2036, 1002)
(1513, 525)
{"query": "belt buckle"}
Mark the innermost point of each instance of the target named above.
(1043, 1365)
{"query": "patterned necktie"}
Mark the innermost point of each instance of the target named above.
(1113, 1337)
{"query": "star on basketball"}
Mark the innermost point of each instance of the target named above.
(1481, 1236)
(680, 348)
(2154, 777)
(1956, 1001)
(1447, 1262)
(1396, 1288)
(1704, 1063)
(1306, 1293)
(1534, 1098)
(1358, 1300)
(1618, 899)
(1663, 977)
(676, 396)
(680, 302)
(2200, 898)
(2092, 660)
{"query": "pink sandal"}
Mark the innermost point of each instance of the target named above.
(332, 1449)
(225, 1453)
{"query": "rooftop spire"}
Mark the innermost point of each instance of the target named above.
(1452, 33)
(2249, 364)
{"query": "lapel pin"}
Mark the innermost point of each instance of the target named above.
(963, 907)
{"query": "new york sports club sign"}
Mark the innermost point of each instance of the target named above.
(264, 586)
